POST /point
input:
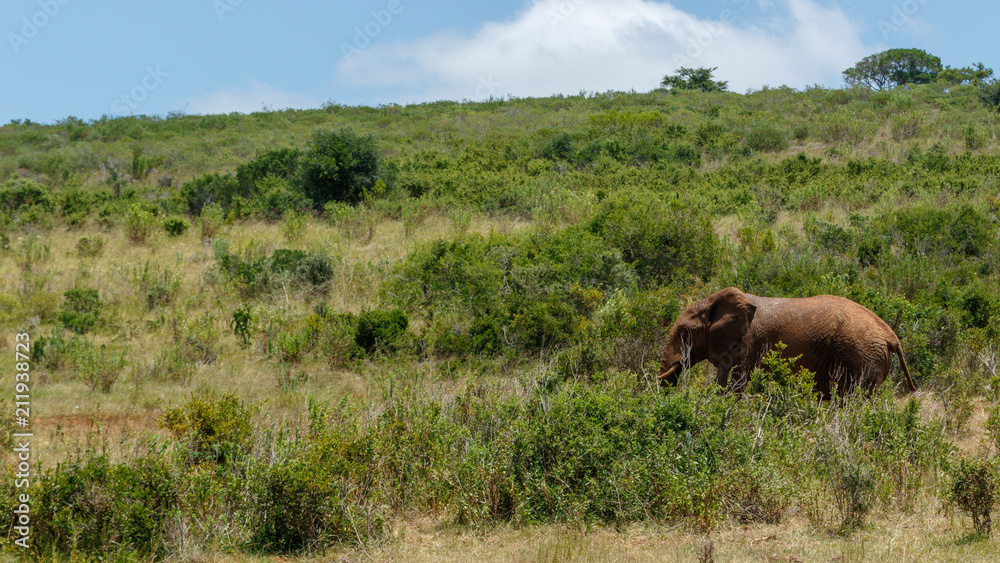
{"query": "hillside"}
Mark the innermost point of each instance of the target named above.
(307, 332)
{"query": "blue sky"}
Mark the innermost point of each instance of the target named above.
(64, 58)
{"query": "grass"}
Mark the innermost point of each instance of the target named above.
(530, 338)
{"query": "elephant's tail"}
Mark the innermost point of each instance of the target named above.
(896, 348)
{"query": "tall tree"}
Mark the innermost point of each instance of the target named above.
(894, 67)
(694, 79)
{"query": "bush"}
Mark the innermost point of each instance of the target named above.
(293, 225)
(175, 226)
(380, 330)
(210, 189)
(956, 230)
(212, 220)
(90, 247)
(242, 325)
(339, 166)
(974, 490)
(663, 244)
(139, 224)
(276, 196)
(215, 429)
(275, 163)
(88, 505)
(765, 138)
(100, 368)
(20, 194)
(989, 95)
(80, 310)
(75, 205)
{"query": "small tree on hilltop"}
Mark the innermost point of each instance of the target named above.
(694, 79)
(894, 67)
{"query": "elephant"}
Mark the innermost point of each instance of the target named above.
(839, 340)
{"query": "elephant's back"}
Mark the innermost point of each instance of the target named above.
(829, 331)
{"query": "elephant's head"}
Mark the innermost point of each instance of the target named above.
(710, 329)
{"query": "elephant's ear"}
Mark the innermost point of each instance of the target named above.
(729, 318)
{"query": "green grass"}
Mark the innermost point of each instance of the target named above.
(470, 335)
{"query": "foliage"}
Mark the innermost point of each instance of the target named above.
(139, 224)
(767, 139)
(100, 368)
(175, 226)
(380, 330)
(80, 310)
(989, 94)
(661, 242)
(215, 429)
(694, 79)
(255, 274)
(19, 194)
(976, 74)
(339, 166)
(895, 67)
(242, 325)
(90, 247)
(974, 489)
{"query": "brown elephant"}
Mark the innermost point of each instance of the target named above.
(842, 342)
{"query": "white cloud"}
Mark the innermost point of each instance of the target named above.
(257, 97)
(565, 46)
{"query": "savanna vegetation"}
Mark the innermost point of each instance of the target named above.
(302, 332)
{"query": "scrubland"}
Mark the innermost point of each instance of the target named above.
(431, 332)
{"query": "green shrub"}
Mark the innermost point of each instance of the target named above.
(175, 226)
(293, 225)
(559, 147)
(275, 197)
(766, 138)
(210, 189)
(212, 219)
(339, 166)
(274, 163)
(18, 195)
(139, 224)
(214, 429)
(88, 505)
(662, 243)
(90, 247)
(75, 205)
(242, 325)
(989, 94)
(100, 368)
(955, 230)
(974, 488)
(973, 137)
(380, 330)
(630, 323)
(80, 309)
(323, 498)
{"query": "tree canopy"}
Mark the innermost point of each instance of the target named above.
(894, 67)
(694, 79)
(975, 74)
